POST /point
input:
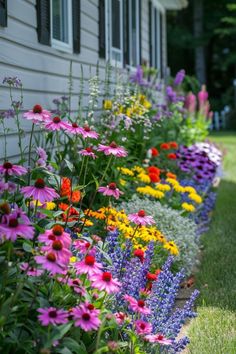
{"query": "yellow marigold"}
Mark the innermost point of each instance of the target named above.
(190, 189)
(178, 188)
(138, 169)
(188, 207)
(163, 187)
(171, 246)
(95, 214)
(150, 191)
(107, 104)
(50, 205)
(172, 181)
(87, 222)
(126, 171)
(143, 177)
(195, 197)
(122, 182)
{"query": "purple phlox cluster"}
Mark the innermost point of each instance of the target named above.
(214, 154)
(179, 77)
(162, 297)
(196, 162)
(61, 106)
(9, 186)
(12, 81)
(10, 113)
(137, 77)
(42, 159)
(162, 112)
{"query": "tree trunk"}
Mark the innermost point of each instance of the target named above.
(200, 62)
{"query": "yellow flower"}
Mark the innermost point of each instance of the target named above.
(195, 197)
(172, 181)
(147, 104)
(50, 205)
(178, 188)
(126, 171)
(188, 207)
(129, 112)
(171, 246)
(143, 177)
(107, 104)
(122, 182)
(73, 259)
(138, 169)
(190, 189)
(150, 191)
(87, 222)
(163, 187)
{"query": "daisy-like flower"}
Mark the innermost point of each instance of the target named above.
(76, 285)
(49, 262)
(137, 305)
(62, 253)
(120, 317)
(14, 225)
(88, 266)
(86, 318)
(12, 170)
(37, 114)
(88, 152)
(53, 316)
(158, 338)
(31, 271)
(56, 124)
(110, 190)
(40, 192)
(104, 281)
(56, 233)
(74, 128)
(141, 218)
(88, 133)
(113, 149)
(142, 327)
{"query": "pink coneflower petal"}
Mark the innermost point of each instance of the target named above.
(110, 190)
(40, 192)
(104, 281)
(141, 218)
(88, 152)
(137, 305)
(158, 338)
(52, 316)
(85, 318)
(9, 169)
(88, 133)
(142, 327)
(56, 124)
(37, 114)
(88, 266)
(49, 262)
(74, 128)
(112, 149)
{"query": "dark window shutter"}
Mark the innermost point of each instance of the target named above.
(3, 13)
(76, 25)
(140, 32)
(43, 21)
(126, 38)
(150, 31)
(102, 29)
(161, 45)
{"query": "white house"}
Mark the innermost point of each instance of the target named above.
(40, 38)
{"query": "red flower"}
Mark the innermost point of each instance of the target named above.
(155, 152)
(151, 276)
(172, 156)
(139, 254)
(66, 191)
(173, 145)
(154, 169)
(154, 177)
(171, 175)
(165, 146)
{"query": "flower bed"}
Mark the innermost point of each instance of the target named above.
(99, 227)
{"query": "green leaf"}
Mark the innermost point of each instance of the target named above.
(27, 247)
(69, 165)
(71, 344)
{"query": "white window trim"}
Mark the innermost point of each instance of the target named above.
(109, 48)
(131, 67)
(157, 51)
(59, 45)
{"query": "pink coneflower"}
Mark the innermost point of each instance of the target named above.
(82, 245)
(53, 316)
(40, 192)
(113, 149)
(13, 225)
(56, 233)
(110, 190)
(85, 318)
(74, 128)
(87, 306)
(62, 253)
(141, 218)
(31, 271)
(137, 305)
(104, 281)
(49, 262)
(142, 327)
(158, 338)
(120, 317)
(37, 114)
(9, 169)
(88, 133)
(76, 285)
(88, 266)
(88, 152)
(56, 124)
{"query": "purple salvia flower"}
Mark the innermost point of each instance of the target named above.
(179, 77)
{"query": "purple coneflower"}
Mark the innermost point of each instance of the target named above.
(113, 149)
(158, 338)
(86, 318)
(88, 152)
(56, 233)
(74, 128)
(137, 305)
(40, 192)
(141, 218)
(49, 262)
(53, 316)
(88, 266)
(104, 281)
(88, 133)
(9, 169)
(77, 286)
(13, 225)
(31, 271)
(110, 190)
(62, 253)
(37, 114)
(142, 327)
(56, 124)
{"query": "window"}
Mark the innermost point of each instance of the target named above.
(61, 25)
(134, 35)
(3, 13)
(156, 32)
(114, 31)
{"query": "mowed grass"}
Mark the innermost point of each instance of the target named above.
(214, 330)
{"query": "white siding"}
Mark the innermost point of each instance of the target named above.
(145, 32)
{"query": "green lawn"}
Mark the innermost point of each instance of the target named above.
(214, 330)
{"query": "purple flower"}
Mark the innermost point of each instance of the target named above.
(12, 81)
(179, 77)
(52, 316)
(110, 190)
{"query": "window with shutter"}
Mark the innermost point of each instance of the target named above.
(3, 13)
(155, 36)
